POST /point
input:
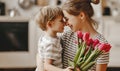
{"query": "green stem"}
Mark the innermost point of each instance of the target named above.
(89, 58)
(88, 66)
(77, 55)
(87, 54)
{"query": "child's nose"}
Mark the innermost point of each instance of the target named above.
(66, 24)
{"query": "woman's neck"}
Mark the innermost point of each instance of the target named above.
(88, 28)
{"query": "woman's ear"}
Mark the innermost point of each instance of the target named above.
(82, 15)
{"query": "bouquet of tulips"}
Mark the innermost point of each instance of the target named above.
(88, 51)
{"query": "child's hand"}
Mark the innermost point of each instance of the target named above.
(68, 69)
(77, 69)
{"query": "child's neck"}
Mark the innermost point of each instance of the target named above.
(51, 33)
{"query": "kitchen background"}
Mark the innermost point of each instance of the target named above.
(22, 12)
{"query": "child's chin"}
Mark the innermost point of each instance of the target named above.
(60, 31)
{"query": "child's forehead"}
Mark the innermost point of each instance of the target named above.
(60, 16)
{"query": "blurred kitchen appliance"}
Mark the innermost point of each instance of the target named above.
(17, 42)
(2, 8)
(13, 36)
(106, 11)
(13, 12)
(42, 2)
(25, 4)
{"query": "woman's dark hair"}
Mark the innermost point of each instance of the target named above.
(74, 7)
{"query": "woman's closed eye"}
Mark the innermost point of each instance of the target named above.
(65, 19)
(62, 21)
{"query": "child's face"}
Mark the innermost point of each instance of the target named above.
(58, 24)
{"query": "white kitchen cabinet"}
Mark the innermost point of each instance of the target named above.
(112, 31)
(112, 34)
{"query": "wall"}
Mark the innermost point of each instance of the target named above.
(10, 4)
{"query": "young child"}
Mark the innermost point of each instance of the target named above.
(51, 21)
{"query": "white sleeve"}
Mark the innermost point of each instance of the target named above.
(50, 52)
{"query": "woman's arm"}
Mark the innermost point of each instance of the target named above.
(102, 62)
(41, 66)
(49, 67)
(101, 67)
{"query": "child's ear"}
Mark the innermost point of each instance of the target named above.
(49, 24)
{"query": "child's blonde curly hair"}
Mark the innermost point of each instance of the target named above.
(47, 13)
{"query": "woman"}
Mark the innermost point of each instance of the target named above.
(79, 17)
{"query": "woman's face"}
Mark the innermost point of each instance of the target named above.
(74, 22)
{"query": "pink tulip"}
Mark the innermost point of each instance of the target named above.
(96, 46)
(95, 42)
(88, 51)
(87, 48)
(89, 41)
(104, 47)
(86, 36)
(79, 34)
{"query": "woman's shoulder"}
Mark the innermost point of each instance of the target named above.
(101, 38)
(66, 34)
(67, 31)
